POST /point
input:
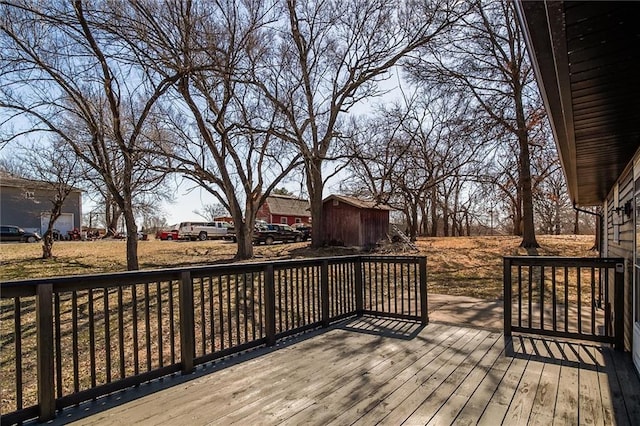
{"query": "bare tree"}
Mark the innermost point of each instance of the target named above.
(486, 58)
(60, 172)
(64, 70)
(327, 56)
(218, 128)
(210, 212)
(416, 157)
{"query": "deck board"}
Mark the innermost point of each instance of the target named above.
(468, 386)
(590, 403)
(519, 410)
(478, 401)
(567, 407)
(498, 406)
(368, 371)
(378, 401)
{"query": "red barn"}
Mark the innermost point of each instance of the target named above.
(350, 221)
(285, 209)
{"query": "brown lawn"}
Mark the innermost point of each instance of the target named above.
(469, 266)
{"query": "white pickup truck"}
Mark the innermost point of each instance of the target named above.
(202, 230)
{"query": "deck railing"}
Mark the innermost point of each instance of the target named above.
(579, 298)
(70, 339)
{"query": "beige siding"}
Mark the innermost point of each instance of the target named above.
(623, 247)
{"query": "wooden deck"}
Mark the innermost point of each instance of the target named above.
(368, 371)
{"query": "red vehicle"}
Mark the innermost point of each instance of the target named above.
(167, 235)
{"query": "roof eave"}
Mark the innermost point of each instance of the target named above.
(552, 76)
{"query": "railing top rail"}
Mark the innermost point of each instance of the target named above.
(563, 261)
(72, 282)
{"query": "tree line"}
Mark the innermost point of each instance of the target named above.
(238, 95)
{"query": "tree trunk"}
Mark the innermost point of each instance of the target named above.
(434, 212)
(557, 214)
(244, 239)
(528, 225)
(112, 216)
(576, 223)
(47, 245)
(47, 238)
(422, 229)
(414, 222)
(445, 218)
(315, 186)
(132, 239)
(467, 218)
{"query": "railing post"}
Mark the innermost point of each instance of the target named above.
(506, 280)
(45, 345)
(619, 307)
(187, 326)
(359, 287)
(424, 313)
(270, 305)
(324, 292)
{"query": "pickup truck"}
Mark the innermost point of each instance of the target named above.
(272, 232)
(231, 231)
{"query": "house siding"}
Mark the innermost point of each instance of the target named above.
(622, 244)
(16, 209)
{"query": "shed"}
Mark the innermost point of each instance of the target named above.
(351, 221)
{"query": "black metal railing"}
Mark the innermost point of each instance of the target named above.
(579, 298)
(65, 340)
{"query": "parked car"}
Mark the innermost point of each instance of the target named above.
(15, 233)
(167, 235)
(231, 231)
(276, 232)
(141, 236)
(306, 231)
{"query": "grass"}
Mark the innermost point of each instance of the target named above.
(470, 266)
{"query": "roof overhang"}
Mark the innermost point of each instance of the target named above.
(586, 57)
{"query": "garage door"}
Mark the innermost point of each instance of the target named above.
(64, 223)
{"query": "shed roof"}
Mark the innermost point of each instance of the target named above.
(586, 59)
(357, 202)
(288, 206)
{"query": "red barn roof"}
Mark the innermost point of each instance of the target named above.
(286, 205)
